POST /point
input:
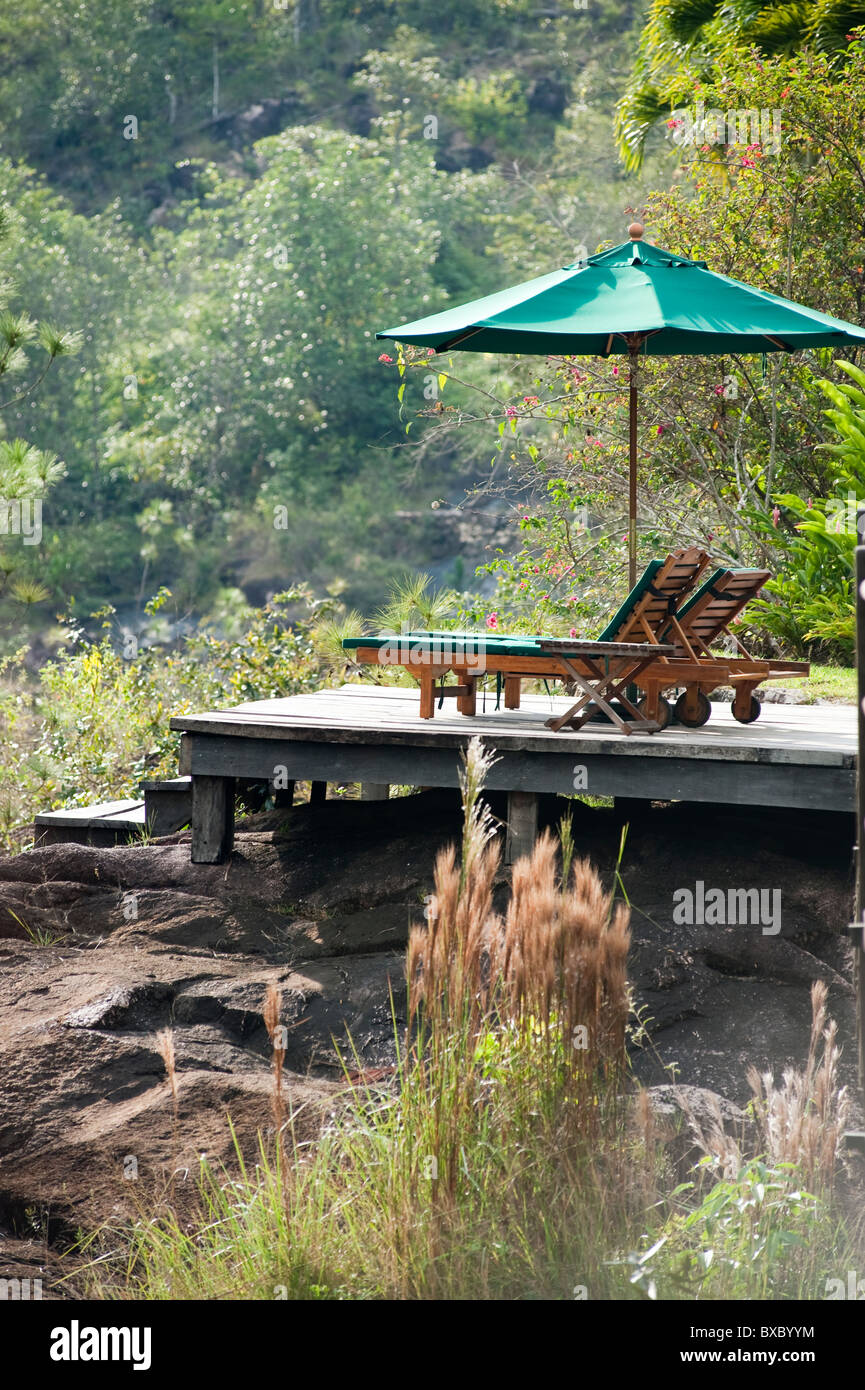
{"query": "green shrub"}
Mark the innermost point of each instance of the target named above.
(97, 722)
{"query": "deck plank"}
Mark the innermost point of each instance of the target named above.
(354, 713)
(794, 756)
(105, 815)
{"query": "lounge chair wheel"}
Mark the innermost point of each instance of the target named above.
(699, 717)
(665, 711)
(754, 712)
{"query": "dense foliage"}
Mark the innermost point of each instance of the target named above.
(96, 722)
(683, 39)
(227, 200)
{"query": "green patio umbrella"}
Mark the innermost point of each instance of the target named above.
(633, 299)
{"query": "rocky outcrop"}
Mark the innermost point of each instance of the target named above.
(100, 949)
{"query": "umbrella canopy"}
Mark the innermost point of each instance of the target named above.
(671, 304)
(633, 299)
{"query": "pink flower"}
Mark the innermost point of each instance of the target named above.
(615, 371)
(776, 515)
(384, 358)
(573, 632)
(525, 518)
(810, 503)
(531, 400)
(661, 429)
(492, 620)
(535, 570)
(719, 390)
(511, 411)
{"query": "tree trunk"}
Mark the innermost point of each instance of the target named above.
(215, 102)
(305, 18)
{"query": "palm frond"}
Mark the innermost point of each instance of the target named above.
(328, 637)
(414, 602)
(832, 21)
(29, 591)
(780, 28)
(684, 20)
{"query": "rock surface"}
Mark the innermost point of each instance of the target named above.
(101, 949)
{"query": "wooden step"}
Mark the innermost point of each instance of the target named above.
(167, 804)
(108, 823)
(166, 807)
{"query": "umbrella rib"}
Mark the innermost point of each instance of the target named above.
(778, 343)
(460, 338)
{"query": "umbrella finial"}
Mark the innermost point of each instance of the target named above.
(635, 231)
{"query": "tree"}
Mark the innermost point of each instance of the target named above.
(682, 40)
(26, 472)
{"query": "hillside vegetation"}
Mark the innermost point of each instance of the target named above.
(210, 208)
(226, 201)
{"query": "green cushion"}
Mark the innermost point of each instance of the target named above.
(642, 584)
(496, 643)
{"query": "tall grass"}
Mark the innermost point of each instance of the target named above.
(763, 1225)
(504, 1158)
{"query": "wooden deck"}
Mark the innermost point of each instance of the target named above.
(794, 755)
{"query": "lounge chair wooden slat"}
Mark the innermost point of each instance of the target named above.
(706, 617)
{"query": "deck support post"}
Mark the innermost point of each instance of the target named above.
(374, 791)
(212, 819)
(283, 797)
(522, 825)
(317, 793)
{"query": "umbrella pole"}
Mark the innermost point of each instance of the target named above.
(632, 478)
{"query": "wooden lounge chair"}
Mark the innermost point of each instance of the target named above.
(628, 649)
(602, 671)
(643, 617)
(702, 621)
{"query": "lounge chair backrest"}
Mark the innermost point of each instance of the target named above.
(646, 610)
(655, 596)
(715, 604)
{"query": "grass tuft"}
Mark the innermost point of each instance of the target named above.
(504, 1158)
